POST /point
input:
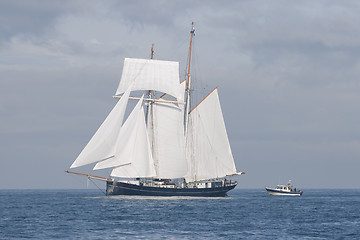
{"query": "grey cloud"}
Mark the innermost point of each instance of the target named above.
(32, 18)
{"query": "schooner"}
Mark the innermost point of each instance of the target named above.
(163, 148)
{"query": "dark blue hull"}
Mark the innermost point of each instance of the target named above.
(121, 188)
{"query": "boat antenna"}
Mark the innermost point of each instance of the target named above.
(192, 33)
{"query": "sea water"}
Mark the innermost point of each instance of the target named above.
(245, 214)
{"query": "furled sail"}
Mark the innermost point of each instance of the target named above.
(208, 148)
(134, 150)
(148, 74)
(101, 145)
(168, 140)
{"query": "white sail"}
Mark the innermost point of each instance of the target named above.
(148, 74)
(128, 140)
(208, 148)
(101, 146)
(139, 158)
(168, 140)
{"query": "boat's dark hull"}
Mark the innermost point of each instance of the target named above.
(121, 188)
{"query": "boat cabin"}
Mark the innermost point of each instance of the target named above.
(286, 188)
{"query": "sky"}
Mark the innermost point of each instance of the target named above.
(287, 71)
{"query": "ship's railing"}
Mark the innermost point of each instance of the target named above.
(168, 184)
(230, 183)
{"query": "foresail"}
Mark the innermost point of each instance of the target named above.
(168, 140)
(148, 74)
(127, 140)
(140, 159)
(208, 148)
(101, 145)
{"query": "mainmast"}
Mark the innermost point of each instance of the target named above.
(151, 57)
(152, 51)
(149, 93)
(150, 120)
(188, 80)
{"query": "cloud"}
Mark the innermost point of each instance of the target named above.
(31, 18)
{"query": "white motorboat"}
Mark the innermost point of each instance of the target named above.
(284, 190)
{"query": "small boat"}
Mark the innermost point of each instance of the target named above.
(284, 190)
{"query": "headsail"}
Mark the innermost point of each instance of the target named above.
(137, 154)
(151, 74)
(101, 146)
(208, 148)
(132, 141)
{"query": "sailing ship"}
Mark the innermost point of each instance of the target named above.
(164, 147)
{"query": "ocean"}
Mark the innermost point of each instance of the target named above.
(245, 214)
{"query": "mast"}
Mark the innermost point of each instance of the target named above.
(149, 92)
(150, 118)
(152, 51)
(188, 81)
(149, 103)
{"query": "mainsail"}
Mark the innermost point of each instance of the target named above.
(208, 148)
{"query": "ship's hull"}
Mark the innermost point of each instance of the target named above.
(121, 188)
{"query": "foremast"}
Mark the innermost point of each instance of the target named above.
(188, 81)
